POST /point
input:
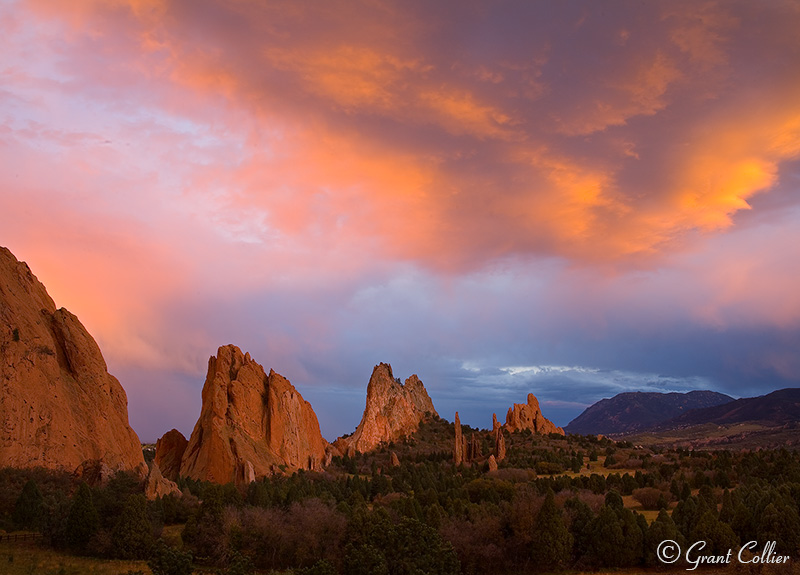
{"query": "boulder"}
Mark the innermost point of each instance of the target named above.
(251, 424)
(393, 410)
(169, 453)
(59, 406)
(157, 485)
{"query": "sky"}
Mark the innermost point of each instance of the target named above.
(571, 199)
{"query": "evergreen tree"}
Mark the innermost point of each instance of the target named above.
(719, 537)
(607, 538)
(743, 522)
(781, 526)
(726, 511)
(632, 549)
(581, 516)
(83, 521)
(662, 529)
(132, 537)
(685, 515)
(552, 542)
(29, 507)
(364, 560)
(614, 500)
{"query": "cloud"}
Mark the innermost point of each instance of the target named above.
(580, 185)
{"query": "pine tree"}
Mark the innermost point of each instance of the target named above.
(719, 537)
(29, 507)
(552, 542)
(607, 538)
(662, 529)
(83, 521)
(132, 537)
(581, 517)
(781, 526)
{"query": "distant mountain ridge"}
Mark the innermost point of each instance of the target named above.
(636, 411)
(780, 407)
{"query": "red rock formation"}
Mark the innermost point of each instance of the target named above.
(458, 448)
(492, 463)
(250, 424)
(499, 445)
(59, 406)
(529, 416)
(392, 411)
(495, 423)
(157, 485)
(474, 449)
(169, 453)
(394, 461)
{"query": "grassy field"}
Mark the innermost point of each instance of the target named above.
(29, 558)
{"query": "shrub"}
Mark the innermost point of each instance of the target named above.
(168, 561)
(650, 498)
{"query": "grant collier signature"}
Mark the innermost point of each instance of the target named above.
(669, 551)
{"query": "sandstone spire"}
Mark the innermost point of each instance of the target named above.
(499, 445)
(250, 424)
(529, 416)
(393, 410)
(458, 448)
(59, 406)
(474, 449)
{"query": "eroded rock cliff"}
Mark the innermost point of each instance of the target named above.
(529, 416)
(251, 424)
(59, 406)
(393, 410)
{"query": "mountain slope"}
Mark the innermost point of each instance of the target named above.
(635, 411)
(777, 408)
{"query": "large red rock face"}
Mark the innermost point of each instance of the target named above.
(392, 411)
(529, 416)
(59, 406)
(251, 424)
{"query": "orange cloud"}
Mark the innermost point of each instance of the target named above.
(357, 127)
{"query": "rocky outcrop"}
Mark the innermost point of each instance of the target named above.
(474, 452)
(529, 416)
(251, 424)
(393, 410)
(169, 452)
(157, 485)
(458, 447)
(492, 463)
(59, 406)
(394, 461)
(495, 423)
(499, 445)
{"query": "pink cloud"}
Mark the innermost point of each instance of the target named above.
(164, 161)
